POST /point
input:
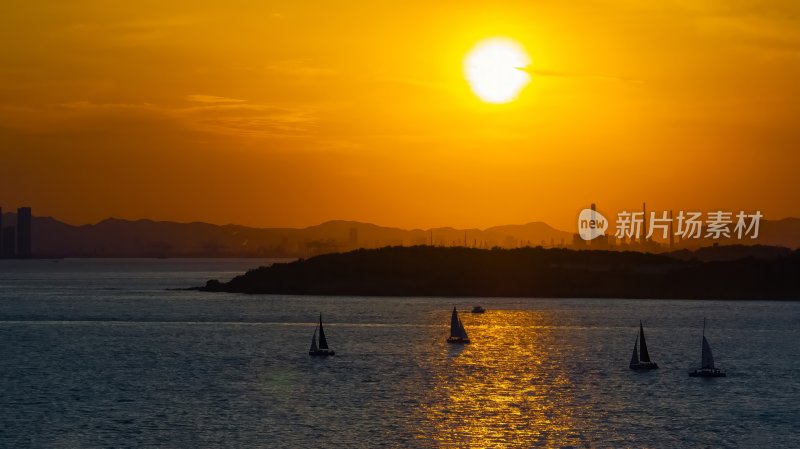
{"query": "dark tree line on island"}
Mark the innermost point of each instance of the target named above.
(525, 272)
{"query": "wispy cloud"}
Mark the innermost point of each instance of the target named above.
(559, 74)
(212, 99)
(241, 117)
(414, 82)
(278, 123)
(299, 67)
(206, 114)
(133, 33)
(84, 105)
(768, 36)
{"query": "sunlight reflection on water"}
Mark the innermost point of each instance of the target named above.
(505, 387)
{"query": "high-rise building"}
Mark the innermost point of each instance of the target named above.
(24, 221)
(9, 242)
(1, 232)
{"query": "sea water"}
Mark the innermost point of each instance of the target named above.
(100, 353)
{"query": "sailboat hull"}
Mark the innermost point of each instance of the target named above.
(707, 372)
(643, 366)
(457, 340)
(321, 352)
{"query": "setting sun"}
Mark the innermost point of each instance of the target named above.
(495, 71)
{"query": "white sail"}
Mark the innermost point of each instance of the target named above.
(708, 357)
(461, 331)
(313, 342)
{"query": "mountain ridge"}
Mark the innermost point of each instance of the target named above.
(115, 237)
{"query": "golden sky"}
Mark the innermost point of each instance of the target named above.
(292, 113)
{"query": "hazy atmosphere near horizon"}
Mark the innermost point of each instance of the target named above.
(402, 224)
(294, 113)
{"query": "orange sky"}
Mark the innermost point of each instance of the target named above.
(293, 113)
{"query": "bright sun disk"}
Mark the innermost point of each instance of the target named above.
(495, 69)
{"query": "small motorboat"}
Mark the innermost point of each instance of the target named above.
(478, 309)
(706, 372)
(640, 360)
(457, 332)
(707, 368)
(322, 349)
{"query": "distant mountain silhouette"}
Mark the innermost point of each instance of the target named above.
(146, 238)
(522, 272)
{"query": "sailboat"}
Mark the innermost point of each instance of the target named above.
(640, 360)
(457, 332)
(322, 349)
(707, 368)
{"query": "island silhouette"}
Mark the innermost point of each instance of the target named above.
(526, 272)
